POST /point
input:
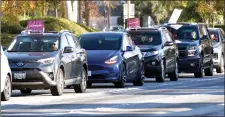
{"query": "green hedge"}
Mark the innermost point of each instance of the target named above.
(57, 24)
(7, 38)
(220, 26)
(10, 24)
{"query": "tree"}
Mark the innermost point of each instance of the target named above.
(56, 5)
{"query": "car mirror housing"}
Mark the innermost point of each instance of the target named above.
(68, 49)
(129, 48)
(168, 43)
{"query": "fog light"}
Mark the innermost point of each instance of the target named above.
(51, 76)
(192, 64)
(153, 63)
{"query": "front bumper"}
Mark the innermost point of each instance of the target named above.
(216, 60)
(103, 73)
(152, 65)
(36, 78)
(189, 64)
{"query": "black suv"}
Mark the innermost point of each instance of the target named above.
(50, 60)
(159, 51)
(195, 48)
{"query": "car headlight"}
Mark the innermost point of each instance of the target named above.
(112, 60)
(46, 61)
(152, 53)
(192, 50)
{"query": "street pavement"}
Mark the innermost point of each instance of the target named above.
(188, 96)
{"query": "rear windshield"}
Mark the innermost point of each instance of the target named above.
(214, 35)
(101, 41)
(184, 32)
(146, 38)
(35, 43)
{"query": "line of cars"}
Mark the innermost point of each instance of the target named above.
(55, 60)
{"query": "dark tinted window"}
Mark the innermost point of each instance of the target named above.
(214, 35)
(184, 32)
(34, 44)
(146, 38)
(101, 41)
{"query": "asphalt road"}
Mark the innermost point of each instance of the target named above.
(188, 96)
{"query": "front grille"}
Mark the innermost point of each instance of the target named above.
(181, 48)
(97, 76)
(95, 67)
(182, 54)
(24, 69)
(215, 55)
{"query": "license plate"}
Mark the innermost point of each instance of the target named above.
(20, 75)
(89, 73)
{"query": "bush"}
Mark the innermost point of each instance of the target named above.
(10, 24)
(6, 39)
(220, 26)
(57, 24)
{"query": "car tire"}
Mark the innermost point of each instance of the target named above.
(122, 77)
(81, 88)
(140, 76)
(89, 84)
(6, 94)
(26, 91)
(58, 89)
(201, 70)
(160, 75)
(220, 68)
(209, 71)
(174, 75)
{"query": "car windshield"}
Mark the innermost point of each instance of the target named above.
(101, 41)
(34, 43)
(184, 32)
(214, 35)
(146, 38)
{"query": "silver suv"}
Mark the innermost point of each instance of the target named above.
(217, 34)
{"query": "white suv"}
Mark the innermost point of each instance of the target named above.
(6, 84)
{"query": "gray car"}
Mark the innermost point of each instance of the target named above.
(217, 34)
(47, 61)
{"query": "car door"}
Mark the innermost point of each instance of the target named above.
(130, 58)
(166, 50)
(75, 57)
(222, 39)
(66, 57)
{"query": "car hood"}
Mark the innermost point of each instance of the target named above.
(100, 56)
(186, 43)
(146, 48)
(29, 56)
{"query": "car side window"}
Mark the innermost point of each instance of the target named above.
(168, 36)
(125, 42)
(64, 41)
(163, 38)
(130, 41)
(71, 41)
(77, 43)
(221, 35)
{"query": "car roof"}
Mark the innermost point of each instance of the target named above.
(106, 32)
(214, 29)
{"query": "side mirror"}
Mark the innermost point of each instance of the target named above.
(205, 37)
(129, 48)
(68, 49)
(4, 48)
(168, 43)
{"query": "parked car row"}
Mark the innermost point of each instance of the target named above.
(55, 60)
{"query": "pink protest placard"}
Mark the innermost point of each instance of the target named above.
(35, 25)
(133, 22)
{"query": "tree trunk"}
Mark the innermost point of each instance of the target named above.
(56, 12)
(79, 12)
(224, 13)
(87, 13)
(108, 14)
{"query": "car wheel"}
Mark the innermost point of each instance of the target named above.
(140, 76)
(201, 71)
(89, 84)
(220, 69)
(6, 94)
(81, 88)
(160, 75)
(122, 77)
(58, 89)
(209, 71)
(25, 91)
(174, 75)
